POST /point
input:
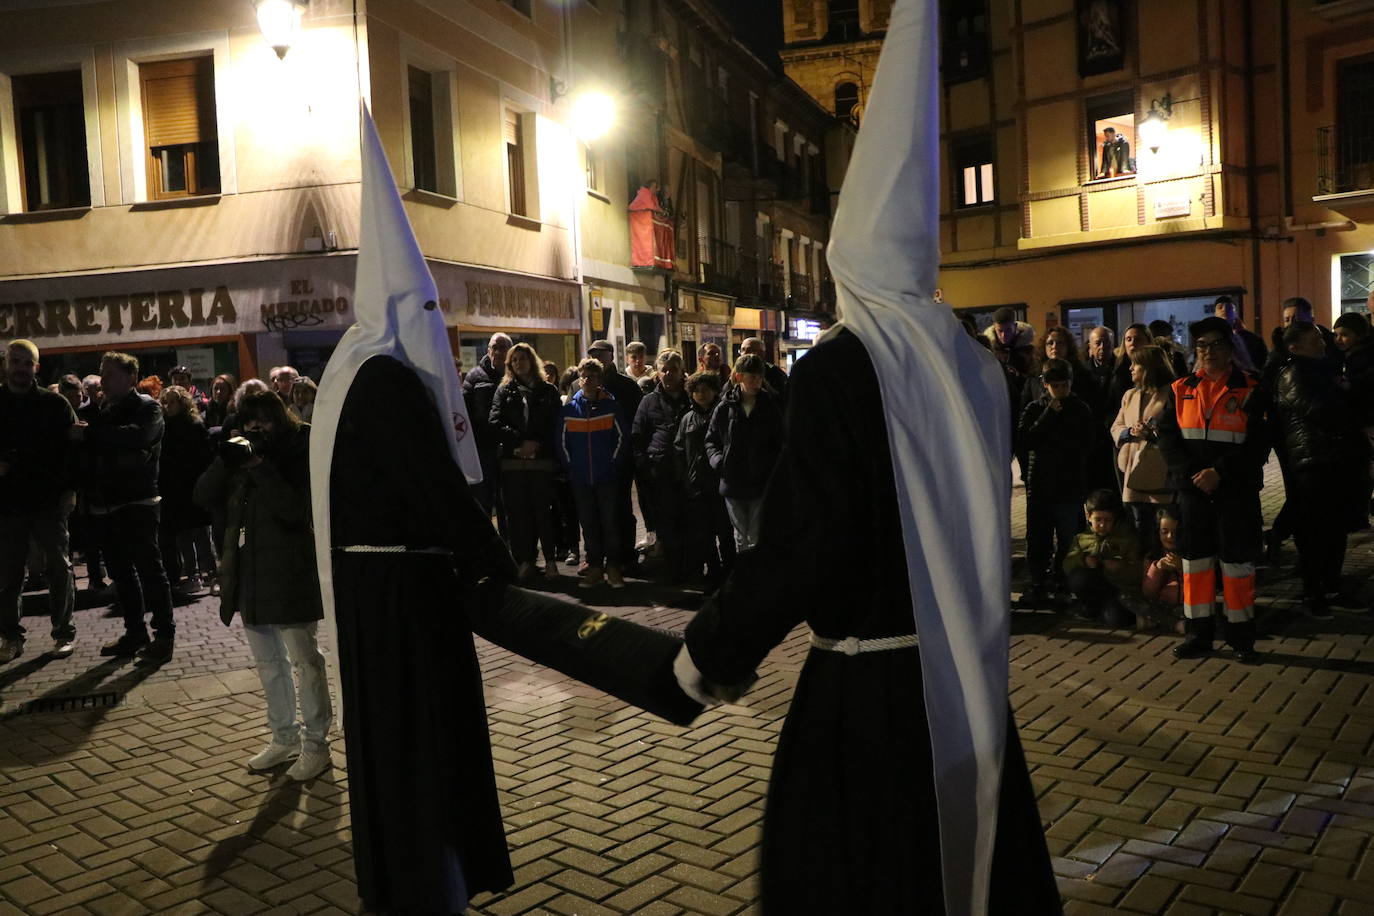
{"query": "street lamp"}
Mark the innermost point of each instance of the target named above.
(280, 22)
(593, 114)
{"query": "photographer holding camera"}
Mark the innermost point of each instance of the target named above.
(267, 573)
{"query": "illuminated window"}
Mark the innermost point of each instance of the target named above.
(1111, 136)
(973, 172)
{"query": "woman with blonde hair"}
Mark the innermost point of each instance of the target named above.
(524, 412)
(1144, 486)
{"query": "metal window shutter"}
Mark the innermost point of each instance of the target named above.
(510, 127)
(178, 102)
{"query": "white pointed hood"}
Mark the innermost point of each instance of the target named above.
(945, 402)
(396, 313)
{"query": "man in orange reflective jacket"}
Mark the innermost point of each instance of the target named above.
(1214, 437)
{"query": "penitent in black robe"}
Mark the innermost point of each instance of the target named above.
(850, 823)
(427, 831)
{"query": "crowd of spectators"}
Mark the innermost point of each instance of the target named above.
(564, 457)
(1142, 464)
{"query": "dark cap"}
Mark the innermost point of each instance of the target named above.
(181, 370)
(600, 345)
(1207, 326)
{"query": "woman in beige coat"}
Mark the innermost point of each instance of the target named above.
(1144, 487)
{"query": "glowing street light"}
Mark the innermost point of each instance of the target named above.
(593, 114)
(280, 22)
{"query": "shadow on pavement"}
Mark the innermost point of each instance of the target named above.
(17, 672)
(276, 806)
(86, 684)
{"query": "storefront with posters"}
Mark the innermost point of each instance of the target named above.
(765, 324)
(703, 318)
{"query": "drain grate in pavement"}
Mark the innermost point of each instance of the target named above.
(79, 703)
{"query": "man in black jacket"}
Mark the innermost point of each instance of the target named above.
(35, 498)
(479, 388)
(122, 446)
(627, 396)
(655, 429)
(1328, 464)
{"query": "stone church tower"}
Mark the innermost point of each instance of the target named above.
(830, 49)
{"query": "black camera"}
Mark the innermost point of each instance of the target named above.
(237, 451)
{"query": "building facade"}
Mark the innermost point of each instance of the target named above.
(746, 162)
(173, 187)
(1109, 162)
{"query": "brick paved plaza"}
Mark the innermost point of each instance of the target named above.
(1184, 788)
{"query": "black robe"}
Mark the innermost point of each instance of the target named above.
(850, 823)
(427, 832)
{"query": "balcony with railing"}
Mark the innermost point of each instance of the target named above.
(825, 296)
(1345, 165)
(718, 266)
(799, 295)
(771, 291)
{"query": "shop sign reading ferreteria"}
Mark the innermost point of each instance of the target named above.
(195, 309)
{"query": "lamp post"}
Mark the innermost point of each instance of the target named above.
(280, 22)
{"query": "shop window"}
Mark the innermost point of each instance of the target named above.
(1111, 136)
(974, 176)
(965, 52)
(1357, 282)
(847, 101)
(50, 123)
(179, 130)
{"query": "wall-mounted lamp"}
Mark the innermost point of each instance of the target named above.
(1155, 125)
(557, 89)
(593, 114)
(280, 22)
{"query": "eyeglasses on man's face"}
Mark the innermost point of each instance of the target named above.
(1207, 346)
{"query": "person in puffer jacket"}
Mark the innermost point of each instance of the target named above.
(743, 443)
(592, 444)
(710, 541)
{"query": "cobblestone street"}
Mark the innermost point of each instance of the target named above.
(1165, 787)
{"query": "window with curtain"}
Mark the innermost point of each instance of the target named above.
(513, 132)
(50, 126)
(179, 128)
(422, 132)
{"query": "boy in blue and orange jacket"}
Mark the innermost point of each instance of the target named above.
(593, 443)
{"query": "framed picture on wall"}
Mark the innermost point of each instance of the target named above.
(1101, 36)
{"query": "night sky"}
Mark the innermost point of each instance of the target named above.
(759, 25)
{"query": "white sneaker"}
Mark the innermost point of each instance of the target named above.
(63, 647)
(273, 755)
(309, 765)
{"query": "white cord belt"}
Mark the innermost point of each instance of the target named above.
(853, 645)
(390, 548)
